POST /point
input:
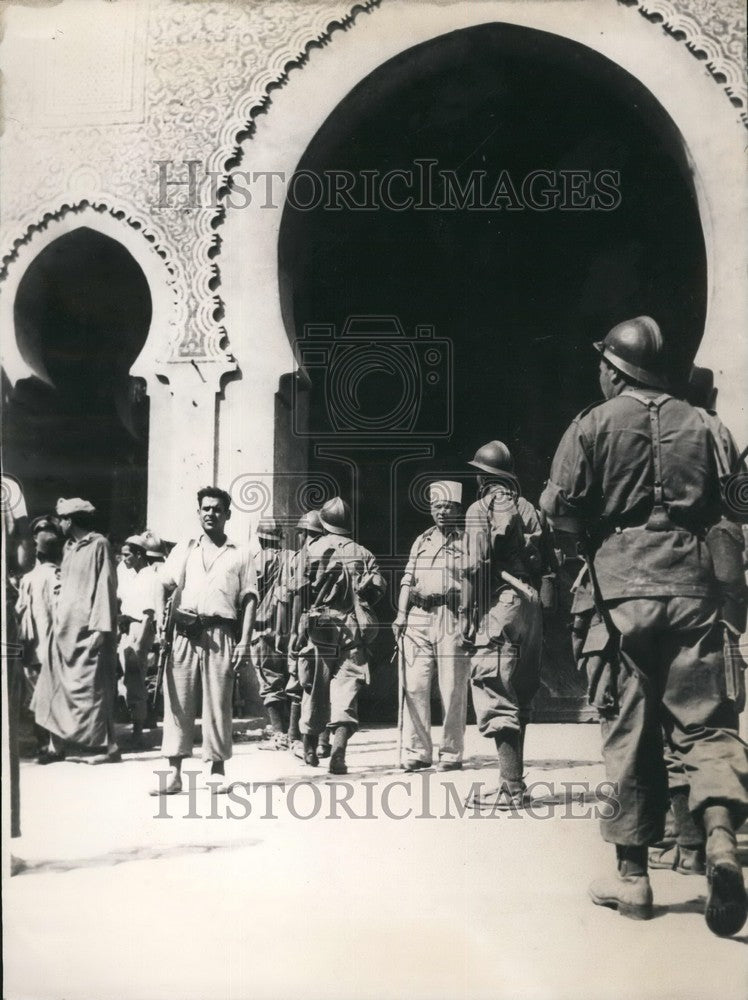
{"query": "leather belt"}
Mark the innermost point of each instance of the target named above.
(433, 601)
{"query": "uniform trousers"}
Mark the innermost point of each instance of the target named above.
(332, 670)
(505, 664)
(272, 668)
(432, 643)
(207, 657)
(671, 679)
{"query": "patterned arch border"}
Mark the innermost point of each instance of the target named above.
(155, 241)
(725, 69)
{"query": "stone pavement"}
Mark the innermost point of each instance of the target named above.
(113, 901)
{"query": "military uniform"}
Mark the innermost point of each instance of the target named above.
(342, 581)
(432, 640)
(505, 663)
(650, 517)
(268, 643)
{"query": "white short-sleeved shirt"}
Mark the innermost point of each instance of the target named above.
(216, 580)
(137, 593)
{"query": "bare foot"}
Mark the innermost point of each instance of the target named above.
(172, 787)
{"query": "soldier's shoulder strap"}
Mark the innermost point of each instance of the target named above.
(590, 408)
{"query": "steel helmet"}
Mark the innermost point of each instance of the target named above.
(268, 528)
(310, 522)
(496, 459)
(336, 517)
(636, 348)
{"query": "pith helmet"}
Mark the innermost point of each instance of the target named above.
(268, 528)
(636, 348)
(336, 517)
(310, 522)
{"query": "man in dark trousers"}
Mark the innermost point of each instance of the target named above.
(269, 635)
(501, 618)
(343, 582)
(635, 478)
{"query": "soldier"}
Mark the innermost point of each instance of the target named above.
(635, 478)
(342, 583)
(308, 528)
(502, 618)
(270, 631)
(428, 626)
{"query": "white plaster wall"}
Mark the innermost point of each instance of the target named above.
(713, 138)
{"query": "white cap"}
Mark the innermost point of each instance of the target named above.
(445, 491)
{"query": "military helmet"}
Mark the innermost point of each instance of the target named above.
(336, 517)
(636, 348)
(496, 459)
(268, 528)
(310, 522)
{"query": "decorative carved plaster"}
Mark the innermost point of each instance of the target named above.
(210, 69)
(714, 33)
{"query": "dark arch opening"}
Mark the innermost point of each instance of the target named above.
(79, 426)
(519, 293)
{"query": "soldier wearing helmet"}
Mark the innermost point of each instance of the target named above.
(502, 620)
(635, 479)
(269, 652)
(342, 583)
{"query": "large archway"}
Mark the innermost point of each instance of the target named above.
(79, 424)
(520, 293)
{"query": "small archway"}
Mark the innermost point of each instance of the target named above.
(519, 292)
(78, 425)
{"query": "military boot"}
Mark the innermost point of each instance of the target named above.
(629, 891)
(310, 750)
(726, 904)
(337, 757)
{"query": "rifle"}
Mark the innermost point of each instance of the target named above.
(164, 649)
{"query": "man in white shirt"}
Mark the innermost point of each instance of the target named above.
(218, 588)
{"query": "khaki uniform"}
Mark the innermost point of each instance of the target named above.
(638, 471)
(268, 653)
(505, 664)
(432, 643)
(342, 581)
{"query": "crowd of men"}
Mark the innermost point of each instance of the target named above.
(638, 482)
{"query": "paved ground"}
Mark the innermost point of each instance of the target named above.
(115, 902)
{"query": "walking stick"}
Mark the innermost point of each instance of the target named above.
(401, 698)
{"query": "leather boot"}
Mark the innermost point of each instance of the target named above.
(310, 750)
(323, 745)
(629, 891)
(726, 903)
(337, 757)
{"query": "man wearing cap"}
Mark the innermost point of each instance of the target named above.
(37, 597)
(136, 590)
(428, 626)
(84, 651)
(293, 575)
(502, 618)
(343, 582)
(635, 478)
(217, 588)
(270, 631)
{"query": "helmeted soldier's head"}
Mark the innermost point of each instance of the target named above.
(309, 525)
(445, 500)
(632, 353)
(335, 516)
(496, 465)
(269, 533)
